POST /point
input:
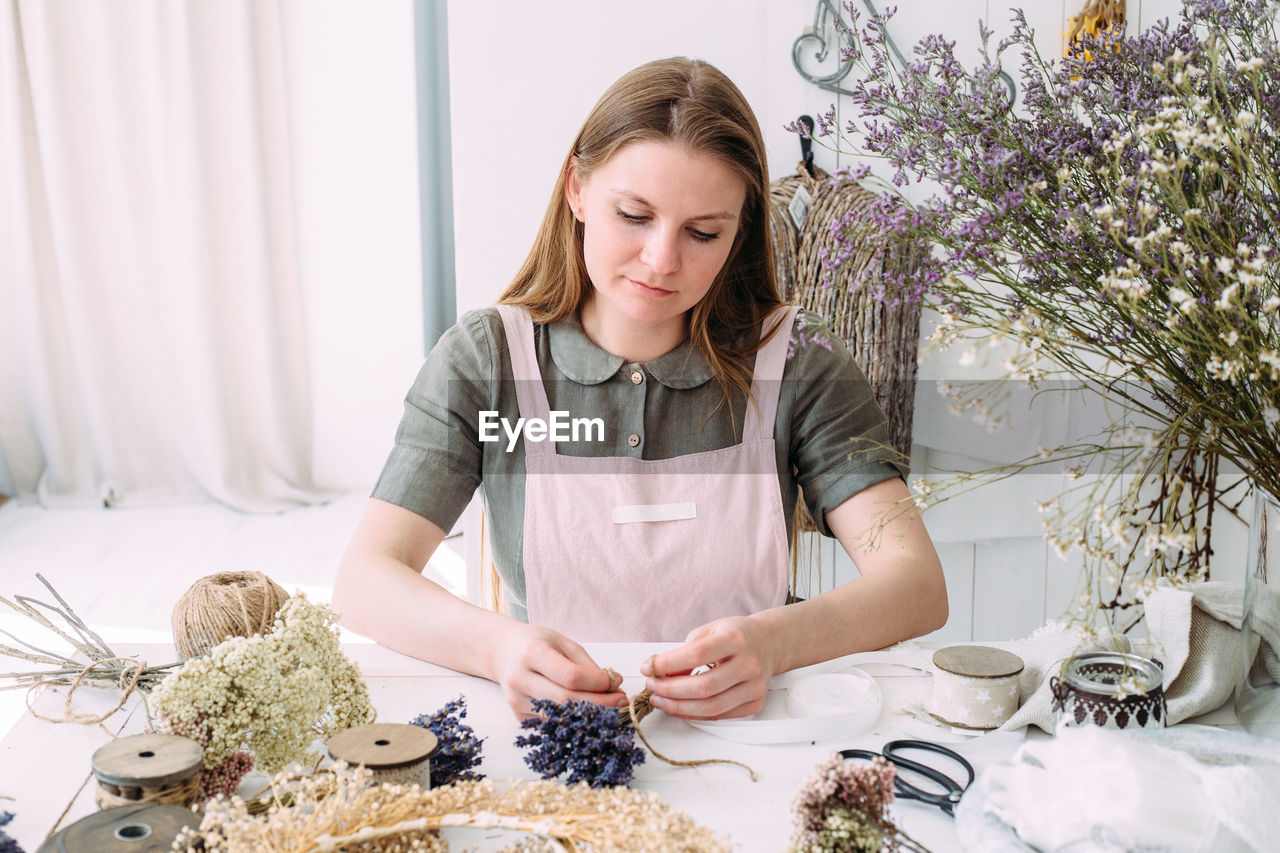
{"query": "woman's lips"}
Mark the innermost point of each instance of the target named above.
(650, 290)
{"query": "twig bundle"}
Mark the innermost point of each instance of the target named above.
(104, 667)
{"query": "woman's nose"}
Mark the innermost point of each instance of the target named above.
(661, 252)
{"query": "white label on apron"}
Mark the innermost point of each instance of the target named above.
(654, 512)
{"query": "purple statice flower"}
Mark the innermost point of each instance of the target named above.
(589, 742)
(459, 749)
(7, 844)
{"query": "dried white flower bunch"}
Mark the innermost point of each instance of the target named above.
(263, 700)
(345, 810)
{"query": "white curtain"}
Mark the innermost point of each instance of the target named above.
(153, 342)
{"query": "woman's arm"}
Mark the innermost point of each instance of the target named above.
(900, 594)
(381, 593)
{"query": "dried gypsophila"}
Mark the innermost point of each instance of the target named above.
(342, 809)
(264, 700)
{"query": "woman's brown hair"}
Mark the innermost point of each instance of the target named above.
(693, 104)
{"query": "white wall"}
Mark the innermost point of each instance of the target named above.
(351, 90)
(524, 75)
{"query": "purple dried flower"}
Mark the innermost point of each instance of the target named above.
(459, 748)
(589, 742)
(7, 844)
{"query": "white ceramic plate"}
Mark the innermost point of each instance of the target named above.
(779, 723)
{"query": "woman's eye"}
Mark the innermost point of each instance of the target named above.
(640, 218)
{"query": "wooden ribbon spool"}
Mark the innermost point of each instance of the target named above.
(974, 687)
(396, 753)
(139, 828)
(149, 768)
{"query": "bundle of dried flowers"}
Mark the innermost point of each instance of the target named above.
(591, 743)
(7, 844)
(343, 810)
(459, 749)
(263, 700)
(1114, 240)
(843, 807)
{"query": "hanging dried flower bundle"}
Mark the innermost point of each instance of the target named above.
(262, 701)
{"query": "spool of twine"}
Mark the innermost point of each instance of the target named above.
(974, 687)
(226, 604)
(148, 768)
(396, 753)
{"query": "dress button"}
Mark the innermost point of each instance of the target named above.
(633, 440)
(636, 377)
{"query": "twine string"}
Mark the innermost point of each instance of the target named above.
(139, 666)
(639, 707)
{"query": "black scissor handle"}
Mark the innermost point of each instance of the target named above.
(893, 749)
(952, 790)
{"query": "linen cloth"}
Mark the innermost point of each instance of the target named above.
(830, 435)
(1188, 788)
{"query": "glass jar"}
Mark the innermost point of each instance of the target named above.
(1110, 689)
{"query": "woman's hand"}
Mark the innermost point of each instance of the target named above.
(741, 659)
(533, 662)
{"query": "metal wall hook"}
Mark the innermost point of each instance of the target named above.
(805, 123)
(815, 39)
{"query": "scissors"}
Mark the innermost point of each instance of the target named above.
(951, 789)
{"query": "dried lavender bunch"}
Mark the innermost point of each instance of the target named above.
(590, 742)
(843, 807)
(7, 844)
(459, 748)
(1116, 232)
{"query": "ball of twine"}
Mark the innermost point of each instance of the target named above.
(222, 605)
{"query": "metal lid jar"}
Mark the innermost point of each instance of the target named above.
(1110, 689)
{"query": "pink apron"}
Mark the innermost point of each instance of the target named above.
(624, 549)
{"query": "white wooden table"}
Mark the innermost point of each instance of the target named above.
(44, 767)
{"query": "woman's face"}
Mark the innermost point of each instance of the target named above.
(658, 223)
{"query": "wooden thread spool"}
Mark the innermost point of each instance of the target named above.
(150, 768)
(974, 687)
(138, 828)
(396, 753)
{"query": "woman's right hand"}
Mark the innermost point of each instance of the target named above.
(533, 662)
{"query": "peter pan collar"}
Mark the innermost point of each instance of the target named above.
(585, 363)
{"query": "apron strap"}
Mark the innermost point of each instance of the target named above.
(766, 382)
(531, 394)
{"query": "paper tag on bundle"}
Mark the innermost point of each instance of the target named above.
(799, 206)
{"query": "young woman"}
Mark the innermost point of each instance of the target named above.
(648, 492)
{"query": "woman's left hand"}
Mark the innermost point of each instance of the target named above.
(741, 664)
